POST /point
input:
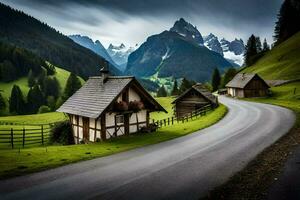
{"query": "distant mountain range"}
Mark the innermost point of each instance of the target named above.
(96, 46)
(233, 51)
(22, 30)
(179, 52)
(120, 54)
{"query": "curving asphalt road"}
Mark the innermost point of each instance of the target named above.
(183, 168)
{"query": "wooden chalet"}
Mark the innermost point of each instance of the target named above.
(193, 99)
(109, 106)
(247, 85)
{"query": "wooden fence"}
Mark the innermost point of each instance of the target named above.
(18, 137)
(173, 120)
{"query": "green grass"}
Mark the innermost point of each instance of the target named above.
(61, 75)
(281, 63)
(166, 103)
(45, 118)
(13, 162)
(284, 96)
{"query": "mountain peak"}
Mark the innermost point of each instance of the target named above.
(187, 30)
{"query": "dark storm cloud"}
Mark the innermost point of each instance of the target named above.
(254, 10)
(136, 19)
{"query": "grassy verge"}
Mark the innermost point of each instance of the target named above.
(45, 118)
(254, 181)
(166, 102)
(15, 162)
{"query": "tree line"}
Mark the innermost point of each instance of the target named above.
(44, 95)
(16, 62)
(288, 24)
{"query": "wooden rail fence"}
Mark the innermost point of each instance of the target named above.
(174, 120)
(17, 137)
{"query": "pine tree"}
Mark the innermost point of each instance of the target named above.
(31, 79)
(2, 103)
(266, 47)
(175, 90)
(185, 85)
(51, 87)
(16, 101)
(73, 84)
(288, 20)
(250, 50)
(216, 79)
(35, 99)
(258, 44)
(228, 76)
(51, 102)
(162, 92)
(41, 78)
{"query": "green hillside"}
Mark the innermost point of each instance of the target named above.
(281, 63)
(61, 75)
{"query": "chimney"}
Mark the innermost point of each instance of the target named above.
(243, 76)
(104, 72)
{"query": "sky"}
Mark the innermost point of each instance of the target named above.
(132, 21)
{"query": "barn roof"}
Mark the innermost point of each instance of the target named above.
(200, 89)
(242, 79)
(94, 96)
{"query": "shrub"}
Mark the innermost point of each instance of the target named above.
(62, 133)
(44, 109)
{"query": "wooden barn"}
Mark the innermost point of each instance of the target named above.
(109, 106)
(193, 99)
(247, 85)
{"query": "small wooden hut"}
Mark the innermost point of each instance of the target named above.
(109, 106)
(193, 99)
(247, 85)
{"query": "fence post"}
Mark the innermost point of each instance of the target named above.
(23, 137)
(12, 137)
(172, 120)
(164, 122)
(168, 121)
(42, 132)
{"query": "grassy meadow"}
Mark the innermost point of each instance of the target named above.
(287, 95)
(61, 75)
(27, 160)
(281, 63)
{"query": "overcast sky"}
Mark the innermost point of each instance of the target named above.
(132, 21)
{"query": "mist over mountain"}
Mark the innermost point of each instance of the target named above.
(96, 46)
(119, 54)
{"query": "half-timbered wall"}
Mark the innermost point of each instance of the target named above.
(136, 121)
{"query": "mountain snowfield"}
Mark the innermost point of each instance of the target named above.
(120, 54)
(233, 51)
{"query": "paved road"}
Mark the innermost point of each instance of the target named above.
(183, 168)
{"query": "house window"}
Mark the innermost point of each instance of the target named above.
(119, 119)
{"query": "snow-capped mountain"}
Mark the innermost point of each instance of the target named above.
(120, 54)
(177, 52)
(233, 51)
(211, 41)
(96, 46)
(188, 31)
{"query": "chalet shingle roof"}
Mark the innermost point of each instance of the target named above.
(241, 80)
(94, 96)
(199, 88)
